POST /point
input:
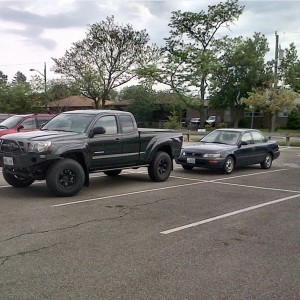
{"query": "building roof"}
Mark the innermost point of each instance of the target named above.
(81, 101)
(73, 101)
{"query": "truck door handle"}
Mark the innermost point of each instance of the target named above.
(118, 140)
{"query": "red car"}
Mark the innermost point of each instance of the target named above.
(21, 123)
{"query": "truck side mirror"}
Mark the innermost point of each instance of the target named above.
(97, 130)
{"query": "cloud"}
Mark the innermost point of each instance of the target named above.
(36, 30)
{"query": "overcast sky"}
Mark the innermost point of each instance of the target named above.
(32, 32)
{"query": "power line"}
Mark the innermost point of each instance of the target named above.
(25, 64)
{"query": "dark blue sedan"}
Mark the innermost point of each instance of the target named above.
(227, 148)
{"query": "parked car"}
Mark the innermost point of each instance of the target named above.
(195, 121)
(228, 148)
(76, 143)
(211, 121)
(185, 122)
(28, 122)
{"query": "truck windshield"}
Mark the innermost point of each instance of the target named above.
(69, 122)
(11, 122)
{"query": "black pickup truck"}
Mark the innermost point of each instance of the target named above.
(76, 143)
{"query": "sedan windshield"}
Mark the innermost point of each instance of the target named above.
(222, 137)
(69, 122)
(11, 122)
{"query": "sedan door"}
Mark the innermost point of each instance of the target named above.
(246, 153)
(261, 147)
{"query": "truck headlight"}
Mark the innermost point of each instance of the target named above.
(212, 155)
(39, 146)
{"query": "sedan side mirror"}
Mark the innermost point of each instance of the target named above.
(243, 143)
(20, 127)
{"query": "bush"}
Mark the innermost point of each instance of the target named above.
(173, 122)
(293, 121)
(243, 123)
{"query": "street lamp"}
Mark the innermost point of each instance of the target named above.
(44, 75)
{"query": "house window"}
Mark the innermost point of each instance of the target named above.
(256, 113)
(283, 114)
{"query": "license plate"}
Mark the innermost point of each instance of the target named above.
(191, 160)
(8, 161)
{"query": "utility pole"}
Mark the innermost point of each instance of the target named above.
(276, 60)
(44, 76)
(273, 118)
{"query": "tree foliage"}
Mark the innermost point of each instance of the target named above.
(19, 78)
(240, 69)
(271, 101)
(143, 102)
(105, 59)
(3, 79)
(188, 58)
(289, 70)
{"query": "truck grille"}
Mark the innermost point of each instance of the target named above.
(12, 147)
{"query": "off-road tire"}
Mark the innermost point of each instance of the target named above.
(160, 167)
(65, 177)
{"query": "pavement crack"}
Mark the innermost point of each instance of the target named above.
(121, 211)
(8, 257)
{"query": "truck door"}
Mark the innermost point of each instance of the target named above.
(106, 149)
(130, 141)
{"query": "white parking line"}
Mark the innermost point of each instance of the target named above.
(159, 189)
(228, 214)
(257, 187)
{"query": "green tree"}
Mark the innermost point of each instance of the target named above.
(3, 79)
(18, 99)
(189, 56)
(58, 89)
(143, 104)
(105, 59)
(289, 70)
(293, 121)
(271, 101)
(241, 69)
(19, 78)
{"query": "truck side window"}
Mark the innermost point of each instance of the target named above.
(109, 123)
(127, 124)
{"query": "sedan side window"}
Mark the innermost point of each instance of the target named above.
(109, 123)
(29, 124)
(258, 137)
(247, 137)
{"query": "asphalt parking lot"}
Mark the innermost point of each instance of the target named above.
(199, 235)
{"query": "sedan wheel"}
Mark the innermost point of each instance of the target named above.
(228, 165)
(267, 162)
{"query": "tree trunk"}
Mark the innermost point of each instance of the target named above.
(273, 122)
